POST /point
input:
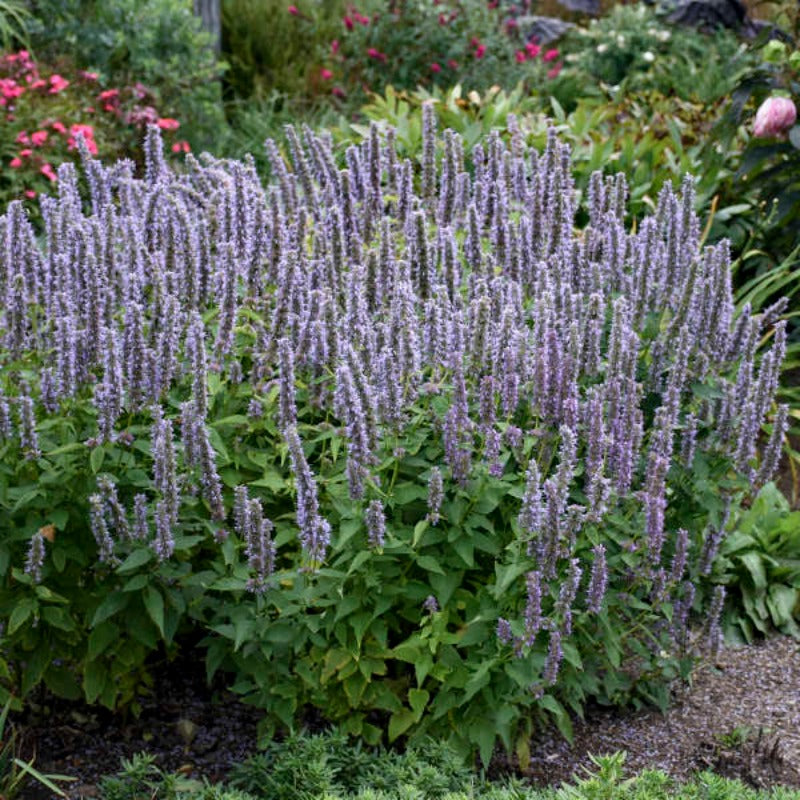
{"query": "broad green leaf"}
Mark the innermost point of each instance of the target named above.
(154, 603)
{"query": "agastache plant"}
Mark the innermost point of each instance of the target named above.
(323, 341)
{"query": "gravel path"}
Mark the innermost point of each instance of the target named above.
(749, 689)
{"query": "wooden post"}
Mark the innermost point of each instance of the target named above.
(209, 11)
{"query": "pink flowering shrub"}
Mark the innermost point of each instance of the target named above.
(471, 42)
(45, 113)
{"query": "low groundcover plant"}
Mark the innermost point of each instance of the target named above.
(396, 439)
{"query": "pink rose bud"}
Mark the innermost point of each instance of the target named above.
(325, 74)
(774, 117)
(294, 11)
(435, 67)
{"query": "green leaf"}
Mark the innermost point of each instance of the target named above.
(100, 638)
(154, 603)
(418, 699)
(562, 720)
(114, 602)
(136, 559)
(94, 680)
(58, 618)
(430, 564)
(419, 530)
(21, 613)
(755, 566)
(96, 458)
(400, 722)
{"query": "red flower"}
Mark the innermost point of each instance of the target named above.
(39, 138)
(181, 147)
(348, 23)
(435, 67)
(376, 54)
(30, 194)
(22, 138)
(168, 124)
(337, 91)
(552, 73)
(59, 127)
(334, 47)
(294, 11)
(532, 49)
(15, 163)
(520, 56)
(325, 74)
(48, 172)
(550, 55)
(480, 51)
(57, 84)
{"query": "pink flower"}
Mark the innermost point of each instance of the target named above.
(376, 54)
(334, 47)
(360, 18)
(348, 23)
(58, 127)
(57, 84)
(22, 138)
(452, 63)
(87, 131)
(480, 51)
(30, 194)
(774, 117)
(325, 74)
(89, 76)
(181, 147)
(337, 91)
(552, 73)
(39, 138)
(15, 163)
(294, 11)
(550, 55)
(443, 19)
(474, 41)
(168, 124)
(26, 153)
(532, 49)
(48, 172)
(520, 56)
(108, 94)
(436, 67)
(40, 84)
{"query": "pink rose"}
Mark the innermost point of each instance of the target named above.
(774, 117)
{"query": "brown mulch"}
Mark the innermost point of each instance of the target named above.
(740, 717)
